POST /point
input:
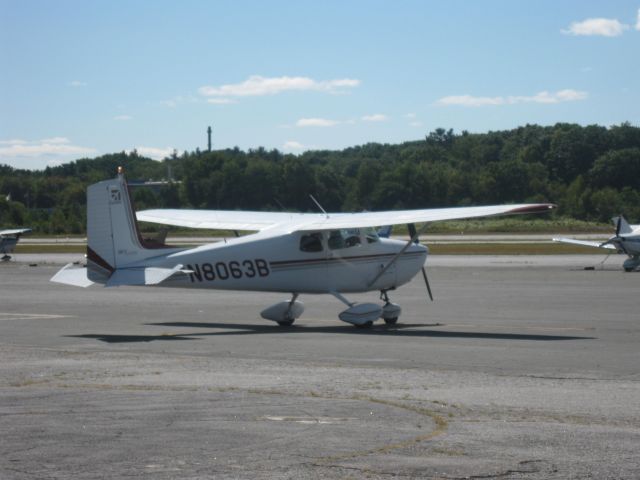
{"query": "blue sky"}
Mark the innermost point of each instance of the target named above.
(85, 78)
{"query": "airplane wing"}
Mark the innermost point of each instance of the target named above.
(221, 219)
(13, 232)
(291, 222)
(585, 243)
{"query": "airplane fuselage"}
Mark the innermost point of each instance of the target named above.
(304, 262)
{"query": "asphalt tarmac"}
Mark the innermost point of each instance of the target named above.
(522, 368)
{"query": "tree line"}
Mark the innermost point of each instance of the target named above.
(591, 172)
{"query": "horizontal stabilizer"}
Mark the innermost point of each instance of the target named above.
(585, 243)
(142, 275)
(72, 276)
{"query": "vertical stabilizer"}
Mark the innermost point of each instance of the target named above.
(113, 238)
(622, 226)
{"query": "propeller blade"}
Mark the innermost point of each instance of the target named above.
(413, 233)
(426, 281)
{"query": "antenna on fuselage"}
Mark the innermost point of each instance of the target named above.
(319, 206)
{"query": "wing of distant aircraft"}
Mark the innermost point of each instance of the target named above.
(9, 240)
(298, 222)
(14, 232)
(585, 243)
(626, 240)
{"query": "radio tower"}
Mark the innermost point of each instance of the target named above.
(209, 137)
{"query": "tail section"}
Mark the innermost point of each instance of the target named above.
(622, 226)
(113, 238)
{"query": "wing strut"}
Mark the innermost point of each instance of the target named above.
(395, 258)
(414, 234)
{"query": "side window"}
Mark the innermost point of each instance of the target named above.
(335, 240)
(345, 238)
(311, 242)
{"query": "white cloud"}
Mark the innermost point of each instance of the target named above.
(77, 83)
(567, 95)
(605, 27)
(470, 101)
(410, 115)
(316, 122)
(544, 97)
(257, 85)
(41, 148)
(638, 20)
(415, 124)
(292, 145)
(179, 100)
(56, 140)
(155, 152)
(376, 117)
(123, 118)
(220, 101)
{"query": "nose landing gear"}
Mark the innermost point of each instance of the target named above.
(390, 311)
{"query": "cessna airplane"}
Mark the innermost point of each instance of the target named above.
(626, 240)
(9, 240)
(294, 253)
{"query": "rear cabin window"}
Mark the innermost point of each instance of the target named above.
(311, 242)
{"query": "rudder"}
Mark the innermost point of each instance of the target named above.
(113, 238)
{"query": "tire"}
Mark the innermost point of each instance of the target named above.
(391, 321)
(365, 325)
(286, 323)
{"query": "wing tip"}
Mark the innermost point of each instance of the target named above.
(534, 208)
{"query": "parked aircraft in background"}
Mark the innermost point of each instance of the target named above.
(294, 253)
(9, 240)
(626, 240)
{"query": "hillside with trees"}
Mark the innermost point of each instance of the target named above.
(591, 172)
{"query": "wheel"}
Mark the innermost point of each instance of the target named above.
(391, 321)
(365, 325)
(286, 323)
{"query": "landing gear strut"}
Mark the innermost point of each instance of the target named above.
(390, 311)
(284, 313)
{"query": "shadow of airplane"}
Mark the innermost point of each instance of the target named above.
(400, 330)
(131, 338)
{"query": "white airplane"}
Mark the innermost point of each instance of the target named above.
(626, 240)
(9, 240)
(294, 253)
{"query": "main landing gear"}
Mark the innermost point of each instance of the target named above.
(284, 313)
(361, 315)
(631, 264)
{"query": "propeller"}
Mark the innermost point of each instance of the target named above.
(414, 236)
